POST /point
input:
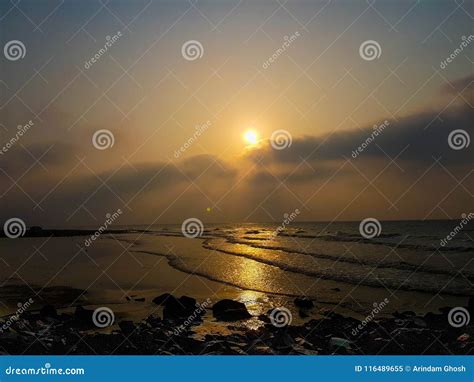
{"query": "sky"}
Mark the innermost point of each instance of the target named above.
(177, 116)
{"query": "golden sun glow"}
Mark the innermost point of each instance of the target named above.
(251, 137)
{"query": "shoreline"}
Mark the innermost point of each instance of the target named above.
(178, 326)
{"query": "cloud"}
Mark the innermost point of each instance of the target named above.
(461, 85)
(416, 138)
(319, 172)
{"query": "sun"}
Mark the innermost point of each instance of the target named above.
(251, 137)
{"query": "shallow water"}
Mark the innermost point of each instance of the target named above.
(331, 264)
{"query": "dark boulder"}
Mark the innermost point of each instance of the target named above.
(48, 311)
(230, 310)
(160, 300)
(127, 327)
(303, 313)
(177, 309)
(84, 316)
(303, 302)
(35, 230)
(470, 305)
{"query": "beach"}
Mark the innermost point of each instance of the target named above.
(340, 273)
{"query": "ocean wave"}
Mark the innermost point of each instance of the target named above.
(400, 265)
(351, 279)
(348, 237)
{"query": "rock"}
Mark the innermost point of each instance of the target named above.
(419, 322)
(470, 305)
(127, 327)
(445, 310)
(463, 337)
(397, 314)
(336, 342)
(303, 314)
(35, 230)
(84, 316)
(188, 301)
(160, 300)
(230, 310)
(177, 309)
(435, 321)
(336, 289)
(48, 311)
(303, 302)
(283, 340)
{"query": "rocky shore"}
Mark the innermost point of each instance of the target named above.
(174, 332)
